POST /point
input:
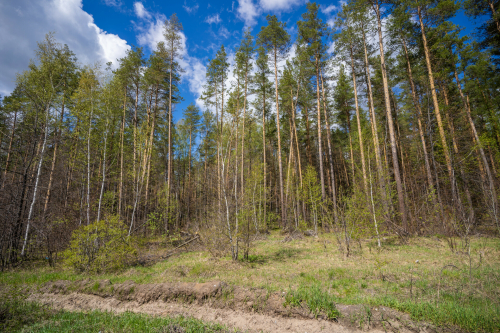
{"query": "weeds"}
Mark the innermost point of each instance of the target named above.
(466, 296)
(18, 315)
(316, 300)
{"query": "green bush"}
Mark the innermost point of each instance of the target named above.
(102, 246)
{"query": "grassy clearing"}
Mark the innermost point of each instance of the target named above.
(422, 278)
(20, 316)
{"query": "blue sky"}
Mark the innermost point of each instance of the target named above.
(102, 30)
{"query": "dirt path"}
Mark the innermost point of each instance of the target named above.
(248, 310)
(245, 321)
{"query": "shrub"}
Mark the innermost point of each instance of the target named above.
(102, 246)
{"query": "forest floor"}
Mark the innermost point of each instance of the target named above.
(291, 284)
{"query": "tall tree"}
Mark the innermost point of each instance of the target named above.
(276, 41)
(262, 88)
(172, 32)
(192, 122)
(312, 32)
(376, 6)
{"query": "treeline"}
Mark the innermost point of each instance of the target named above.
(393, 129)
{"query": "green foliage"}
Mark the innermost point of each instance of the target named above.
(316, 300)
(102, 246)
(358, 215)
(15, 312)
(17, 315)
(155, 222)
(311, 194)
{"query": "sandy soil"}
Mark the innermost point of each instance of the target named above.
(248, 310)
(247, 322)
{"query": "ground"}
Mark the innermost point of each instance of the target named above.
(420, 285)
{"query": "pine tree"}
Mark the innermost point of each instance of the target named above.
(276, 41)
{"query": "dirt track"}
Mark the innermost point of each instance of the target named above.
(243, 309)
(251, 322)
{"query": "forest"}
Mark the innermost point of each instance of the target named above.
(384, 124)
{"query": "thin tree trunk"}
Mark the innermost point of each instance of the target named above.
(437, 111)
(320, 148)
(308, 136)
(169, 167)
(39, 171)
(491, 183)
(53, 165)
(264, 153)
(283, 211)
(135, 130)
(88, 164)
(103, 172)
(150, 148)
(374, 128)
(295, 135)
(397, 174)
(348, 116)
(419, 119)
(330, 156)
(243, 135)
(494, 15)
(10, 149)
(358, 119)
(122, 134)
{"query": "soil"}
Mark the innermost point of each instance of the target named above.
(248, 310)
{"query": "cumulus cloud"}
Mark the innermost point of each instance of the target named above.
(279, 5)
(140, 11)
(24, 22)
(329, 9)
(150, 29)
(150, 32)
(247, 11)
(213, 19)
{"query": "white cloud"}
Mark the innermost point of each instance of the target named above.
(151, 32)
(247, 11)
(23, 23)
(329, 9)
(113, 3)
(140, 11)
(213, 19)
(223, 32)
(279, 5)
(191, 9)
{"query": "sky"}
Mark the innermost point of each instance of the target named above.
(103, 30)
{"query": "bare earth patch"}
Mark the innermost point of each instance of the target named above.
(248, 310)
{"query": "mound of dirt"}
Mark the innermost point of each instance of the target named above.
(243, 308)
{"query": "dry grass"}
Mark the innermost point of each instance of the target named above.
(409, 277)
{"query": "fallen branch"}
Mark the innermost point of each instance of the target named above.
(183, 244)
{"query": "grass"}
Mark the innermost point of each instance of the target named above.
(20, 316)
(313, 272)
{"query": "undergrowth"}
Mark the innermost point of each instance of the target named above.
(422, 277)
(17, 315)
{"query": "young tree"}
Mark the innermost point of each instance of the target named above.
(192, 122)
(172, 32)
(376, 4)
(276, 41)
(42, 83)
(262, 88)
(312, 31)
(244, 66)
